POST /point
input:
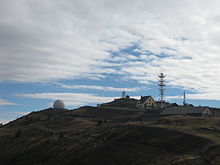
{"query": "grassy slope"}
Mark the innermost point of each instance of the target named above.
(108, 136)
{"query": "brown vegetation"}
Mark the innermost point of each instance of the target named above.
(109, 136)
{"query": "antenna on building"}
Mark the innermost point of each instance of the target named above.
(123, 94)
(184, 98)
(162, 86)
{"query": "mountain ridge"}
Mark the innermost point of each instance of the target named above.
(97, 135)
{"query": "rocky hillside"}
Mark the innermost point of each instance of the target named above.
(121, 102)
(110, 136)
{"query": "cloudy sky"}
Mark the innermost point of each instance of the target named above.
(87, 51)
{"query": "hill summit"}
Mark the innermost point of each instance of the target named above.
(110, 136)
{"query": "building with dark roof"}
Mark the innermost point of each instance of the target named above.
(146, 102)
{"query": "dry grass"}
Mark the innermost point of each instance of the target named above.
(108, 136)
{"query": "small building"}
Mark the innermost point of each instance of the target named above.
(167, 104)
(146, 102)
(215, 112)
(192, 111)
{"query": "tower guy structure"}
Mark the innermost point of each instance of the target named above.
(162, 87)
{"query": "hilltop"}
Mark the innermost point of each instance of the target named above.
(110, 136)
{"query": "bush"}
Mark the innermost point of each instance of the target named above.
(18, 133)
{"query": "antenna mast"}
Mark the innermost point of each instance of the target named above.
(162, 86)
(123, 94)
(184, 98)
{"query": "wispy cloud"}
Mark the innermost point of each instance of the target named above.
(79, 39)
(102, 88)
(197, 96)
(70, 99)
(4, 102)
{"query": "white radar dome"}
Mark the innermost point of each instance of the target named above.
(58, 104)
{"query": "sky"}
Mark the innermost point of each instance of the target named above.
(86, 52)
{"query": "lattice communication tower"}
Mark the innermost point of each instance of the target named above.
(162, 86)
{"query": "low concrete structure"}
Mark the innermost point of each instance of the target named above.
(192, 111)
(215, 112)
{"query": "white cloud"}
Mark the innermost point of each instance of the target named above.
(4, 102)
(70, 99)
(198, 96)
(51, 40)
(102, 88)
